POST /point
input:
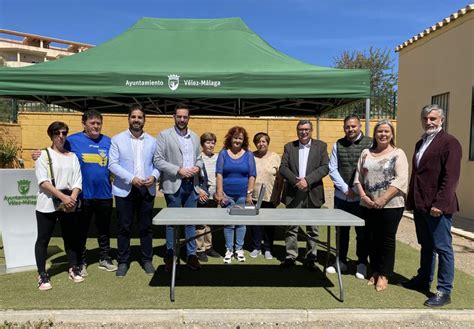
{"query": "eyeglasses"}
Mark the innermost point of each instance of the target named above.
(60, 132)
(304, 130)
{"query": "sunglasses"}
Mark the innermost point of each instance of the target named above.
(60, 132)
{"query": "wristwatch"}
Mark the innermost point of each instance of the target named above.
(249, 192)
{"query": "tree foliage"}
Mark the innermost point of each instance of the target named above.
(383, 79)
(5, 104)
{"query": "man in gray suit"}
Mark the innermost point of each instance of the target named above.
(304, 164)
(178, 158)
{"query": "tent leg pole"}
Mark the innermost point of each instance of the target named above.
(367, 117)
(318, 117)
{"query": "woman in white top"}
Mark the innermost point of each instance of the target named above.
(267, 163)
(65, 175)
(382, 182)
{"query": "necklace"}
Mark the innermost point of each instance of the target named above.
(235, 155)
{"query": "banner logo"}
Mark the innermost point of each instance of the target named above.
(21, 199)
(23, 186)
(173, 81)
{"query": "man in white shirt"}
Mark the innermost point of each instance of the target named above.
(342, 167)
(303, 166)
(134, 188)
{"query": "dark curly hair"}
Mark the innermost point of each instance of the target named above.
(236, 130)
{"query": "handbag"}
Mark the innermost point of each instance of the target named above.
(58, 204)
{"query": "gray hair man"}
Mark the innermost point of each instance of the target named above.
(436, 168)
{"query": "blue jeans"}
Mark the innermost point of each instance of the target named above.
(239, 229)
(434, 236)
(185, 197)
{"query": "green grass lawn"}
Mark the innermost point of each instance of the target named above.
(257, 283)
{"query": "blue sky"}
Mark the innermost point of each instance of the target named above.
(313, 31)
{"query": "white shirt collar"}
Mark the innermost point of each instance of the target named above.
(186, 134)
(141, 137)
(307, 145)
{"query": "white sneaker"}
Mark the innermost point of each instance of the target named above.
(240, 255)
(228, 256)
(361, 271)
(75, 275)
(255, 253)
(107, 264)
(332, 269)
(44, 283)
(268, 255)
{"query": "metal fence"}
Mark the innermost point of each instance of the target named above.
(9, 108)
(378, 110)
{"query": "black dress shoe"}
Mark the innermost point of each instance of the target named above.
(311, 265)
(212, 253)
(287, 263)
(415, 284)
(193, 262)
(438, 300)
(202, 257)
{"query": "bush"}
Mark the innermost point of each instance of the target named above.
(8, 151)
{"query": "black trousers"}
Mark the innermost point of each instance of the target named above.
(381, 228)
(45, 225)
(361, 242)
(101, 211)
(263, 233)
(139, 202)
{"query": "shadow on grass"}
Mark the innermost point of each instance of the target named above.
(241, 275)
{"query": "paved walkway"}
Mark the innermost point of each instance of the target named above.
(219, 317)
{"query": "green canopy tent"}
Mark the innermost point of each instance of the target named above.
(218, 66)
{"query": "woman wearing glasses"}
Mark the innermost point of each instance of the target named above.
(57, 171)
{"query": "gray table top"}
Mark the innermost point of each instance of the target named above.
(279, 217)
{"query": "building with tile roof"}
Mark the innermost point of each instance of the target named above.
(436, 66)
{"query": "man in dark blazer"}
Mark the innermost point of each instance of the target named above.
(303, 166)
(432, 197)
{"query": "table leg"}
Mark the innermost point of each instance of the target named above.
(338, 268)
(328, 249)
(175, 261)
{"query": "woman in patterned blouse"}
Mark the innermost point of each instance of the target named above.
(382, 181)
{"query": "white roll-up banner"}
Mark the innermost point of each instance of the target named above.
(18, 192)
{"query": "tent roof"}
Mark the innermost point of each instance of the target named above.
(219, 65)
